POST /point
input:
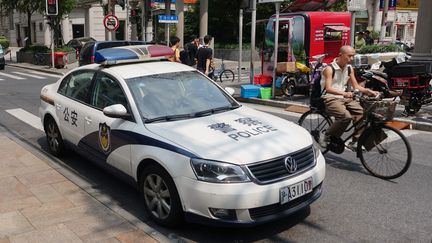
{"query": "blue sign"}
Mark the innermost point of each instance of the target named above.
(170, 19)
(392, 5)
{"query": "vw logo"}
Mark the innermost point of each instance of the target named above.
(290, 164)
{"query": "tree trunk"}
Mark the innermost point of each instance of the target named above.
(29, 37)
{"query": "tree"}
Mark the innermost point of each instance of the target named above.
(64, 8)
(24, 6)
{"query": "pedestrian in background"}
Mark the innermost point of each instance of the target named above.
(204, 56)
(188, 56)
(175, 45)
(359, 41)
(368, 38)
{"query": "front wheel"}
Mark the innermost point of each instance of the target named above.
(161, 199)
(316, 123)
(384, 151)
(227, 75)
(54, 138)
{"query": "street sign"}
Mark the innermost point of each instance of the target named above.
(111, 22)
(52, 7)
(356, 5)
(168, 19)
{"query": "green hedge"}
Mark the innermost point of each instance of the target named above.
(44, 49)
(4, 42)
(379, 48)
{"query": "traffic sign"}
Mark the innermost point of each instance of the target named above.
(111, 22)
(169, 19)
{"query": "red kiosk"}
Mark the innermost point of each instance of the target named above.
(305, 34)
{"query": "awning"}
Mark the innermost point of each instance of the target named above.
(338, 27)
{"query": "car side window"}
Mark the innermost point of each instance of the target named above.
(107, 91)
(77, 85)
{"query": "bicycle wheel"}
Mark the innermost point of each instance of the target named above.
(288, 87)
(226, 75)
(384, 151)
(316, 123)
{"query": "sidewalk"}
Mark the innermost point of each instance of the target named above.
(39, 204)
(420, 121)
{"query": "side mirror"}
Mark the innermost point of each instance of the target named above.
(230, 90)
(116, 111)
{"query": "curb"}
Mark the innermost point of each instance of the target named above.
(35, 69)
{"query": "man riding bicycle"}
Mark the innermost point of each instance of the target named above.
(338, 97)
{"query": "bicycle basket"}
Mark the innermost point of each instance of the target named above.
(383, 110)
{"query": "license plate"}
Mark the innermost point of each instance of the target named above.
(292, 192)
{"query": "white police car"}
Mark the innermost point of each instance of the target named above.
(191, 149)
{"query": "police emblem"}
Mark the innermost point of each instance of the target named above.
(104, 137)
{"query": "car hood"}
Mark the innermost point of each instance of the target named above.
(240, 136)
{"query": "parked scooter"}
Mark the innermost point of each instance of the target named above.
(408, 80)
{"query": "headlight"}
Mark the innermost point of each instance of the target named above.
(316, 150)
(218, 172)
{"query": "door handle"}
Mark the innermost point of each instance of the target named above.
(58, 106)
(88, 119)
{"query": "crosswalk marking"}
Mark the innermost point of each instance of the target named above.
(26, 117)
(46, 74)
(11, 76)
(29, 75)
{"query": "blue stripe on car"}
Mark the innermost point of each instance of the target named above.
(90, 143)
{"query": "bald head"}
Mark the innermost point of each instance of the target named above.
(346, 56)
(346, 49)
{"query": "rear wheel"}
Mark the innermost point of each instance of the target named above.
(227, 75)
(384, 151)
(54, 138)
(316, 123)
(161, 199)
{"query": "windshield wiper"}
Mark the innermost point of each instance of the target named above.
(169, 118)
(215, 110)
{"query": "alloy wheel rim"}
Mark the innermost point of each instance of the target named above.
(157, 196)
(52, 137)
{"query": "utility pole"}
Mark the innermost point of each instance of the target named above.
(167, 25)
(253, 31)
(240, 44)
(384, 20)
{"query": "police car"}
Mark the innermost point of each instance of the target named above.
(190, 148)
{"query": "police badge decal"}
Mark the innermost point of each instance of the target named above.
(104, 137)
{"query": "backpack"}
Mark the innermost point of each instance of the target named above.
(184, 56)
(316, 92)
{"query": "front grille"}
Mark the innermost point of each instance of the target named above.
(268, 171)
(272, 209)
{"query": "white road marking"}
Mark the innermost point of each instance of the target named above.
(46, 74)
(11, 76)
(26, 117)
(29, 75)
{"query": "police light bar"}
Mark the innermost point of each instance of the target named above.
(129, 54)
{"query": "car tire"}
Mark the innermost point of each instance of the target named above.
(161, 200)
(54, 138)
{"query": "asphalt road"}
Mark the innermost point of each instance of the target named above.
(354, 207)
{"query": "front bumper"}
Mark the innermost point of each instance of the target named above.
(249, 203)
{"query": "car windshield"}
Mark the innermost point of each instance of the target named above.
(179, 95)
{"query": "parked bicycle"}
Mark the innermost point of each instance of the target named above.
(382, 149)
(299, 81)
(221, 73)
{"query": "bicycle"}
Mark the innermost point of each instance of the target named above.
(383, 150)
(300, 79)
(222, 73)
